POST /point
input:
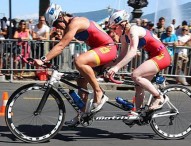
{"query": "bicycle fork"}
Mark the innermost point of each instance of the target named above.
(43, 100)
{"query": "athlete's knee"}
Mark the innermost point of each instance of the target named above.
(78, 62)
(135, 76)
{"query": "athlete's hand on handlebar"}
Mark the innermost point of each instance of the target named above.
(27, 60)
(35, 62)
(38, 62)
(31, 61)
(112, 71)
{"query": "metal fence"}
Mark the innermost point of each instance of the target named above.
(180, 64)
(11, 65)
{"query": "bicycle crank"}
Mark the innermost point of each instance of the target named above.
(86, 120)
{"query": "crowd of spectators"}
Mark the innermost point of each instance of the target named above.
(171, 35)
(23, 31)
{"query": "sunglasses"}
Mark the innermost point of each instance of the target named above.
(56, 22)
(23, 23)
(184, 29)
(42, 20)
(114, 28)
(169, 31)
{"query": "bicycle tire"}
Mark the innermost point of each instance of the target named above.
(20, 116)
(178, 126)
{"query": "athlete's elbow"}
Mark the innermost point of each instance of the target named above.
(134, 52)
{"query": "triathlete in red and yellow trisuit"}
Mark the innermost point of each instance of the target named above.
(159, 58)
(103, 50)
(155, 48)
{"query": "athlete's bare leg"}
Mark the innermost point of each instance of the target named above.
(82, 82)
(148, 68)
(139, 97)
(84, 64)
(140, 94)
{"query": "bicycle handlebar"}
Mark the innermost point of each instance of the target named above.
(111, 77)
(30, 61)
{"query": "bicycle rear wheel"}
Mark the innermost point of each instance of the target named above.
(175, 126)
(22, 121)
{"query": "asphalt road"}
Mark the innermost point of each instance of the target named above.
(104, 133)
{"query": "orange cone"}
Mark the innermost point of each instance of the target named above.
(133, 101)
(4, 102)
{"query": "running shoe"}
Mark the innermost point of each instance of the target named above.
(158, 103)
(97, 107)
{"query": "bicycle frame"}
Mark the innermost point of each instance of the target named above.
(55, 79)
(58, 77)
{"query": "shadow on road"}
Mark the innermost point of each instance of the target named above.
(82, 133)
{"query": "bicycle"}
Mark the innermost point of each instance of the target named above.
(36, 113)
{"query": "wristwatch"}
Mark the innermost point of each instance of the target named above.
(44, 59)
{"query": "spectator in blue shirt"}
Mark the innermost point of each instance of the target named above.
(170, 40)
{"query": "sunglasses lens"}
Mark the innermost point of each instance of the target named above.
(55, 23)
(184, 30)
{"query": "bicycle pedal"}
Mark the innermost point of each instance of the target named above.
(128, 122)
(74, 126)
(85, 122)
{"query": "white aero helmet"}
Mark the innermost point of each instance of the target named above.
(52, 13)
(118, 17)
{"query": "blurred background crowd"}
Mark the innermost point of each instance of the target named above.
(172, 35)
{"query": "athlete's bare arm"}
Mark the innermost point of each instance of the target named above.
(75, 26)
(131, 53)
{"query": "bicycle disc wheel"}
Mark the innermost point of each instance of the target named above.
(22, 121)
(175, 126)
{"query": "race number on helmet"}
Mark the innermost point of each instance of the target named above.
(118, 17)
(52, 13)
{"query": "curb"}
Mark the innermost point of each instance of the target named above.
(113, 86)
(105, 86)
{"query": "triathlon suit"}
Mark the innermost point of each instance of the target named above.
(156, 50)
(100, 42)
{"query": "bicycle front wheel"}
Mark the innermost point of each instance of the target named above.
(175, 126)
(24, 123)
